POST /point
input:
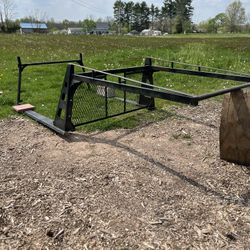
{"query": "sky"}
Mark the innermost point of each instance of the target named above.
(76, 10)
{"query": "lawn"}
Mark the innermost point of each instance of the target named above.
(42, 84)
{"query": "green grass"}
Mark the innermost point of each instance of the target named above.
(42, 84)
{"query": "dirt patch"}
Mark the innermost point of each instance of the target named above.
(161, 186)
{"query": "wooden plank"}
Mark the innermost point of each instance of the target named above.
(235, 128)
(23, 107)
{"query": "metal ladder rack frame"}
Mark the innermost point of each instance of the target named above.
(146, 91)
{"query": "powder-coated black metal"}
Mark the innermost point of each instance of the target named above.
(73, 101)
(22, 66)
(73, 107)
(237, 78)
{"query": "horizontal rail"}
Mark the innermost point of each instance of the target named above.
(45, 63)
(95, 73)
(222, 92)
(176, 97)
(98, 73)
(199, 66)
(202, 73)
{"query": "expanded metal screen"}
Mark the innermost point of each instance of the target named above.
(93, 102)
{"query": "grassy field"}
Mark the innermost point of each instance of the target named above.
(41, 85)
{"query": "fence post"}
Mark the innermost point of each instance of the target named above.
(147, 77)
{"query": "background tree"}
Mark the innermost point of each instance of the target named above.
(88, 25)
(168, 15)
(248, 24)
(136, 24)
(157, 18)
(236, 16)
(145, 14)
(65, 23)
(37, 17)
(51, 24)
(138, 15)
(220, 22)
(119, 14)
(7, 12)
(128, 13)
(152, 15)
(141, 16)
(214, 25)
(184, 12)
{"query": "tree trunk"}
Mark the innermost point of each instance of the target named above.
(1, 18)
(235, 128)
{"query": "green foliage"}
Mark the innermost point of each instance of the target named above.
(168, 13)
(184, 11)
(7, 11)
(11, 27)
(141, 16)
(233, 20)
(88, 25)
(128, 11)
(119, 14)
(134, 16)
(174, 14)
(214, 25)
(236, 16)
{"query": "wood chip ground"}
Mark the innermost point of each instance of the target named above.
(159, 186)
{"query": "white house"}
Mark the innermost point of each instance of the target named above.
(75, 31)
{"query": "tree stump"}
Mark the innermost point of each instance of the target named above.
(235, 128)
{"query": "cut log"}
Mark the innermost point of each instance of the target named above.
(235, 128)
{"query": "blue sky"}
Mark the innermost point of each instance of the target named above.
(80, 9)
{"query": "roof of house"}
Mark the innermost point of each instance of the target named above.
(33, 25)
(102, 26)
(76, 29)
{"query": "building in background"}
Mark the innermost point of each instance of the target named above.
(101, 28)
(76, 31)
(26, 28)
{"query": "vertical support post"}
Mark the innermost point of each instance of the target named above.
(20, 69)
(66, 102)
(106, 98)
(124, 96)
(80, 60)
(147, 77)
